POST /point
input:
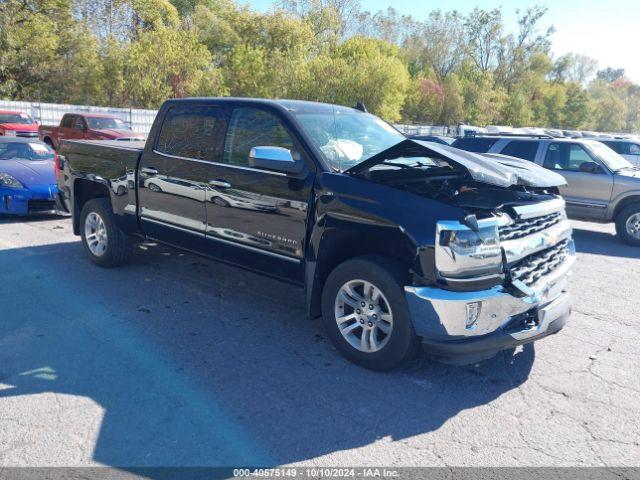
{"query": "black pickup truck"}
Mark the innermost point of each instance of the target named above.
(397, 242)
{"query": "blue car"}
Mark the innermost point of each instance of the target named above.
(27, 177)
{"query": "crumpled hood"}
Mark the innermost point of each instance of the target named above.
(30, 173)
(493, 169)
(21, 127)
(629, 173)
(117, 133)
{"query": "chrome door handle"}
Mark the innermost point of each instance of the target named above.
(149, 170)
(219, 184)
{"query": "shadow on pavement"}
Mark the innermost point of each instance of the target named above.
(199, 364)
(5, 219)
(603, 243)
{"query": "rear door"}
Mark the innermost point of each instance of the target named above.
(587, 194)
(66, 128)
(255, 217)
(172, 177)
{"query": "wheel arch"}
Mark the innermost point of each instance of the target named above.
(331, 246)
(83, 191)
(624, 203)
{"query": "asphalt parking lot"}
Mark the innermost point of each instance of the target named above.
(175, 360)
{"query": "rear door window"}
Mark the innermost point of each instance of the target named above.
(191, 131)
(521, 149)
(475, 144)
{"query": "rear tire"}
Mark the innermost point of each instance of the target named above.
(384, 320)
(628, 224)
(105, 243)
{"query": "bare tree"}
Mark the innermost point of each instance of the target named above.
(484, 37)
(439, 42)
(346, 11)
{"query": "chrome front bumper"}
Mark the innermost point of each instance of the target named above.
(507, 316)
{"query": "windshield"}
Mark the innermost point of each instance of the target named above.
(26, 151)
(22, 118)
(609, 157)
(105, 123)
(347, 137)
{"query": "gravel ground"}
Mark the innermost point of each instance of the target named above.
(176, 360)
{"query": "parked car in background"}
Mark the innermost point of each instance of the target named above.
(441, 139)
(601, 185)
(87, 126)
(27, 177)
(627, 148)
(396, 241)
(17, 124)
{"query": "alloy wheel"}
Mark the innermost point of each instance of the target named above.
(633, 225)
(363, 315)
(95, 233)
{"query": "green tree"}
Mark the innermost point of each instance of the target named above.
(360, 70)
(167, 63)
(424, 102)
(610, 114)
(577, 109)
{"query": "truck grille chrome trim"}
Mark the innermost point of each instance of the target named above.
(537, 266)
(523, 227)
(525, 212)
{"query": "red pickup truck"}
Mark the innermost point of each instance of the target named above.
(87, 126)
(17, 124)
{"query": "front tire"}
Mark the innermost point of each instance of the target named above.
(365, 313)
(628, 224)
(105, 243)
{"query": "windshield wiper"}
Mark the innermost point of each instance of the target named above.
(410, 165)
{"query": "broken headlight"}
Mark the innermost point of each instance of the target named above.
(464, 253)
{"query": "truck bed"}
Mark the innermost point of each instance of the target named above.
(113, 155)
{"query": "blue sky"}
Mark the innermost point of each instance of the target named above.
(608, 31)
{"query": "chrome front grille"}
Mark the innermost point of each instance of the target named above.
(522, 227)
(540, 264)
(27, 134)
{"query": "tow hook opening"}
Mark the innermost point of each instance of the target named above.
(524, 321)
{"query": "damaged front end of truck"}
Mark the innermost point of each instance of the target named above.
(494, 276)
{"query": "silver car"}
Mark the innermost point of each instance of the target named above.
(627, 148)
(601, 185)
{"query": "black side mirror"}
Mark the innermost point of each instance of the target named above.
(590, 167)
(276, 159)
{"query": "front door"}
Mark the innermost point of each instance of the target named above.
(172, 177)
(587, 193)
(256, 217)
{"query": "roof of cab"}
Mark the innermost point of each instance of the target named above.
(91, 115)
(291, 105)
